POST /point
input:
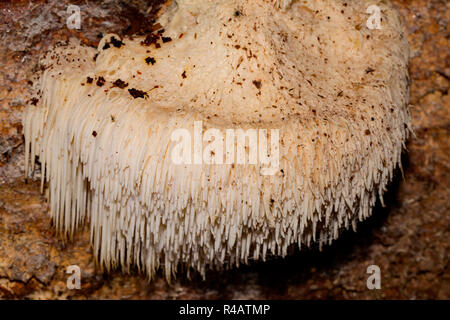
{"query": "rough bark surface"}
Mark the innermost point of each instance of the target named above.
(408, 239)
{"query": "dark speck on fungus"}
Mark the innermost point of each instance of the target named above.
(149, 60)
(116, 43)
(101, 81)
(150, 39)
(137, 93)
(34, 101)
(113, 41)
(120, 84)
(257, 84)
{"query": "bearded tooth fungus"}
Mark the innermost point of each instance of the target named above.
(336, 91)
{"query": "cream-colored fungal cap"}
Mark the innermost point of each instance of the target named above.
(336, 90)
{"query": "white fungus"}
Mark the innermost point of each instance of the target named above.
(102, 121)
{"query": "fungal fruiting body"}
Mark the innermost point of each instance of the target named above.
(336, 90)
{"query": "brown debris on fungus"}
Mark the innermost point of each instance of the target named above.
(135, 93)
(151, 60)
(120, 84)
